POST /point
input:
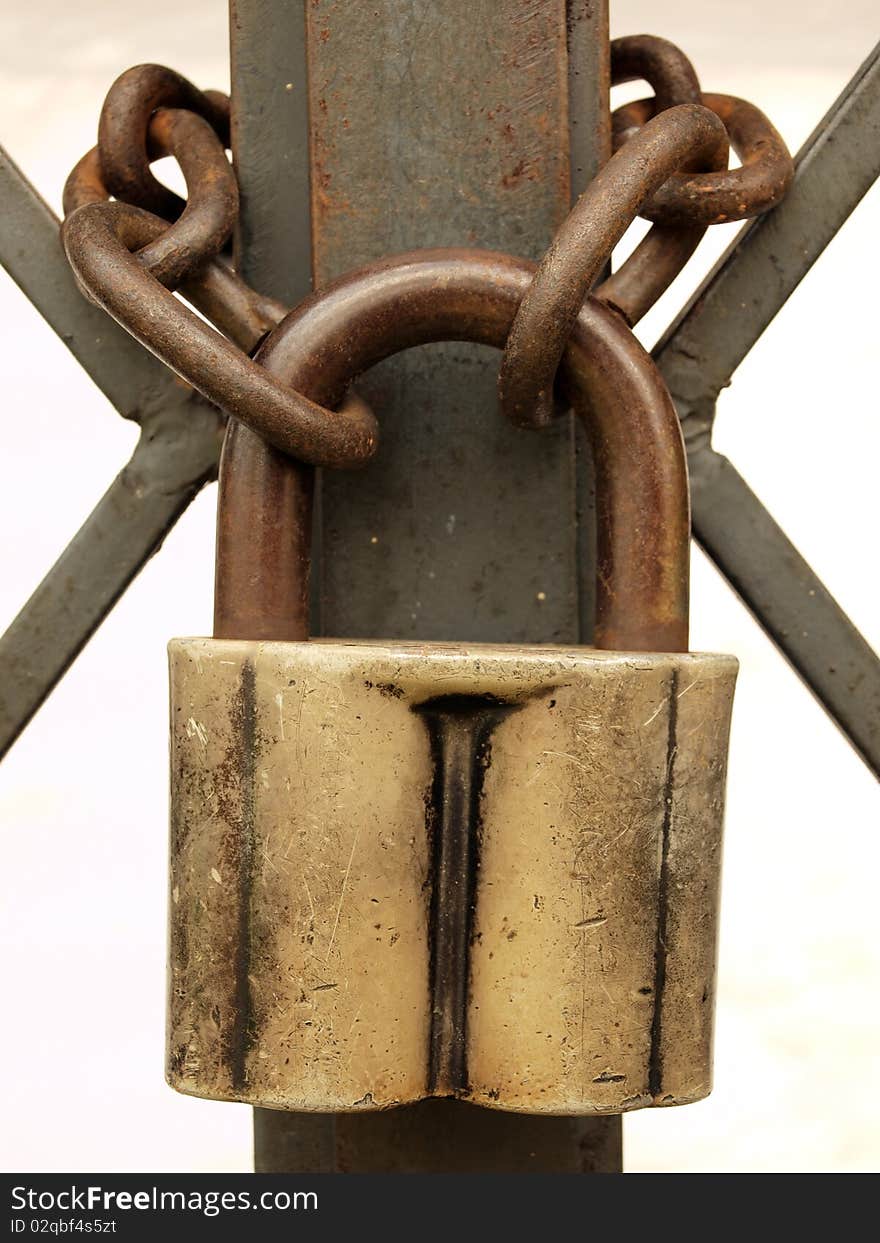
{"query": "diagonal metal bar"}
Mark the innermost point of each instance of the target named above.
(835, 168)
(793, 606)
(175, 455)
(699, 354)
(30, 250)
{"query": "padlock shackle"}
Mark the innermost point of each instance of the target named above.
(642, 504)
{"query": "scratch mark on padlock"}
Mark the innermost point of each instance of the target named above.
(308, 895)
(241, 1036)
(342, 893)
(655, 1061)
(583, 971)
(564, 755)
(593, 922)
(689, 686)
(661, 705)
(265, 853)
(279, 699)
(195, 729)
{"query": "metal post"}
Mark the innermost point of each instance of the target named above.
(370, 129)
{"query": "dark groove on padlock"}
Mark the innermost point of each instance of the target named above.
(242, 1023)
(655, 1063)
(460, 729)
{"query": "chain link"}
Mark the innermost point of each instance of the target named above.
(131, 254)
(720, 196)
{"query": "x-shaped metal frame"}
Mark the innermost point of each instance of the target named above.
(180, 434)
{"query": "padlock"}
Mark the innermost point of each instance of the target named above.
(412, 869)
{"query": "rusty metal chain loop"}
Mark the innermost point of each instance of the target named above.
(244, 315)
(666, 69)
(130, 255)
(124, 123)
(583, 245)
(99, 238)
(684, 199)
(718, 197)
(183, 254)
(119, 250)
(202, 229)
(660, 256)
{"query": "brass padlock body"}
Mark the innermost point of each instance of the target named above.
(305, 787)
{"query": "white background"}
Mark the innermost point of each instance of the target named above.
(83, 793)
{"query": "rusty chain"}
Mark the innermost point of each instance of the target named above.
(132, 244)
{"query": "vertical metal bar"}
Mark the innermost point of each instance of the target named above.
(589, 129)
(270, 143)
(431, 124)
(439, 124)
